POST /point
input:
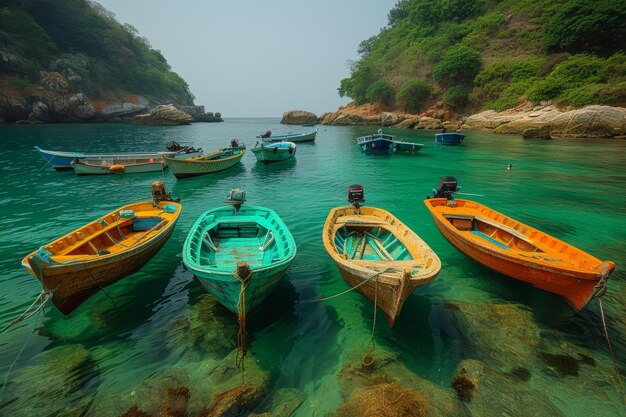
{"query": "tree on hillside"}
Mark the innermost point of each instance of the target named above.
(586, 26)
(459, 65)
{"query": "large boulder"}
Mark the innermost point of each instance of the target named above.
(298, 117)
(547, 122)
(390, 119)
(163, 115)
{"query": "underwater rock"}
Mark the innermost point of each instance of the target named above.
(387, 375)
(135, 411)
(563, 364)
(61, 372)
(463, 386)
(232, 402)
(286, 401)
(385, 400)
(499, 334)
(209, 329)
(490, 393)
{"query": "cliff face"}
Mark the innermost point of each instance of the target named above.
(71, 61)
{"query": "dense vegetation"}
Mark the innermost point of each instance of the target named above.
(493, 54)
(81, 34)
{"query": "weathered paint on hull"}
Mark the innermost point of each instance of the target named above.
(188, 168)
(72, 284)
(391, 293)
(267, 155)
(82, 169)
(225, 288)
(576, 289)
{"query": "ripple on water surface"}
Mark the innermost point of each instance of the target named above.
(159, 326)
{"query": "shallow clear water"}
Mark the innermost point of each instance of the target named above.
(572, 189)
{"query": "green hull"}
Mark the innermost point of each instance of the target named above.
(219, 240)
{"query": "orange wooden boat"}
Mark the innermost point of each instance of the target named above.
(84, 261)
(378, 255)
(520, 251)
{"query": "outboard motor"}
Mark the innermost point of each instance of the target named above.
(173, 146)
(267, 134)
(355, 195)
(159, 194)
(234, 143)
(236, 197)
(447, 187)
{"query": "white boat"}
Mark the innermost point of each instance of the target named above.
(274, 152)
(119, 164)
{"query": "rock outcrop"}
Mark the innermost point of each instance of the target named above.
(199, 115)
(547, 122)
(543, 121)
(298, 117)
(163, 115)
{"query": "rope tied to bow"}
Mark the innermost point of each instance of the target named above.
(242, 274)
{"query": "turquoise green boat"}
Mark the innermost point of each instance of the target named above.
(239, 253)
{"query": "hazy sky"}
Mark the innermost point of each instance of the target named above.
(248, 58)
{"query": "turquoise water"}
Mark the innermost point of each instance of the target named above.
(100, 359)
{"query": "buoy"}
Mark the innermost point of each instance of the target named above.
(117, 168)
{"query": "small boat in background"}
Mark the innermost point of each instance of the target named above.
(239, 253)
(119, 164)
(63, 160)
(219, 160)
(516, 250)
(274, 152)
(444, 138)
(84, 261)
(381, 142)
(291, 137)
(377, 254)
(376, 142)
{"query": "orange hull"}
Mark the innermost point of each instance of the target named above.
(73, 276)
(520, 251)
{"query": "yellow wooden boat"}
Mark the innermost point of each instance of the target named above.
(377, 254)
(84, 261)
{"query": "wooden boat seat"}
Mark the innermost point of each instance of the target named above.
(101, 229)
(359, 220)
(489, 239)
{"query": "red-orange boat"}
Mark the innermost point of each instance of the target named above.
(519, 251)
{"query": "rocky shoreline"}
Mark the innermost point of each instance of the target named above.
(62, 96)
(543, 121)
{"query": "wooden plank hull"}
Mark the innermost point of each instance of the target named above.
(74, 284)
(72, 279)
(387, 281)
(552, 266)
(225, 288)
(186, 168)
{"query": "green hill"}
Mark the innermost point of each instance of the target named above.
(475, 54)
(83, 41)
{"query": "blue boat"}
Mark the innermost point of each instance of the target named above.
(380, 142)
(376, 142)
(449, 138)
(291, 137)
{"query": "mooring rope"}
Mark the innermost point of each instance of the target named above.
(368, 358)
(43, 296)
(242, 336)
(608, 342)
(348, 290)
